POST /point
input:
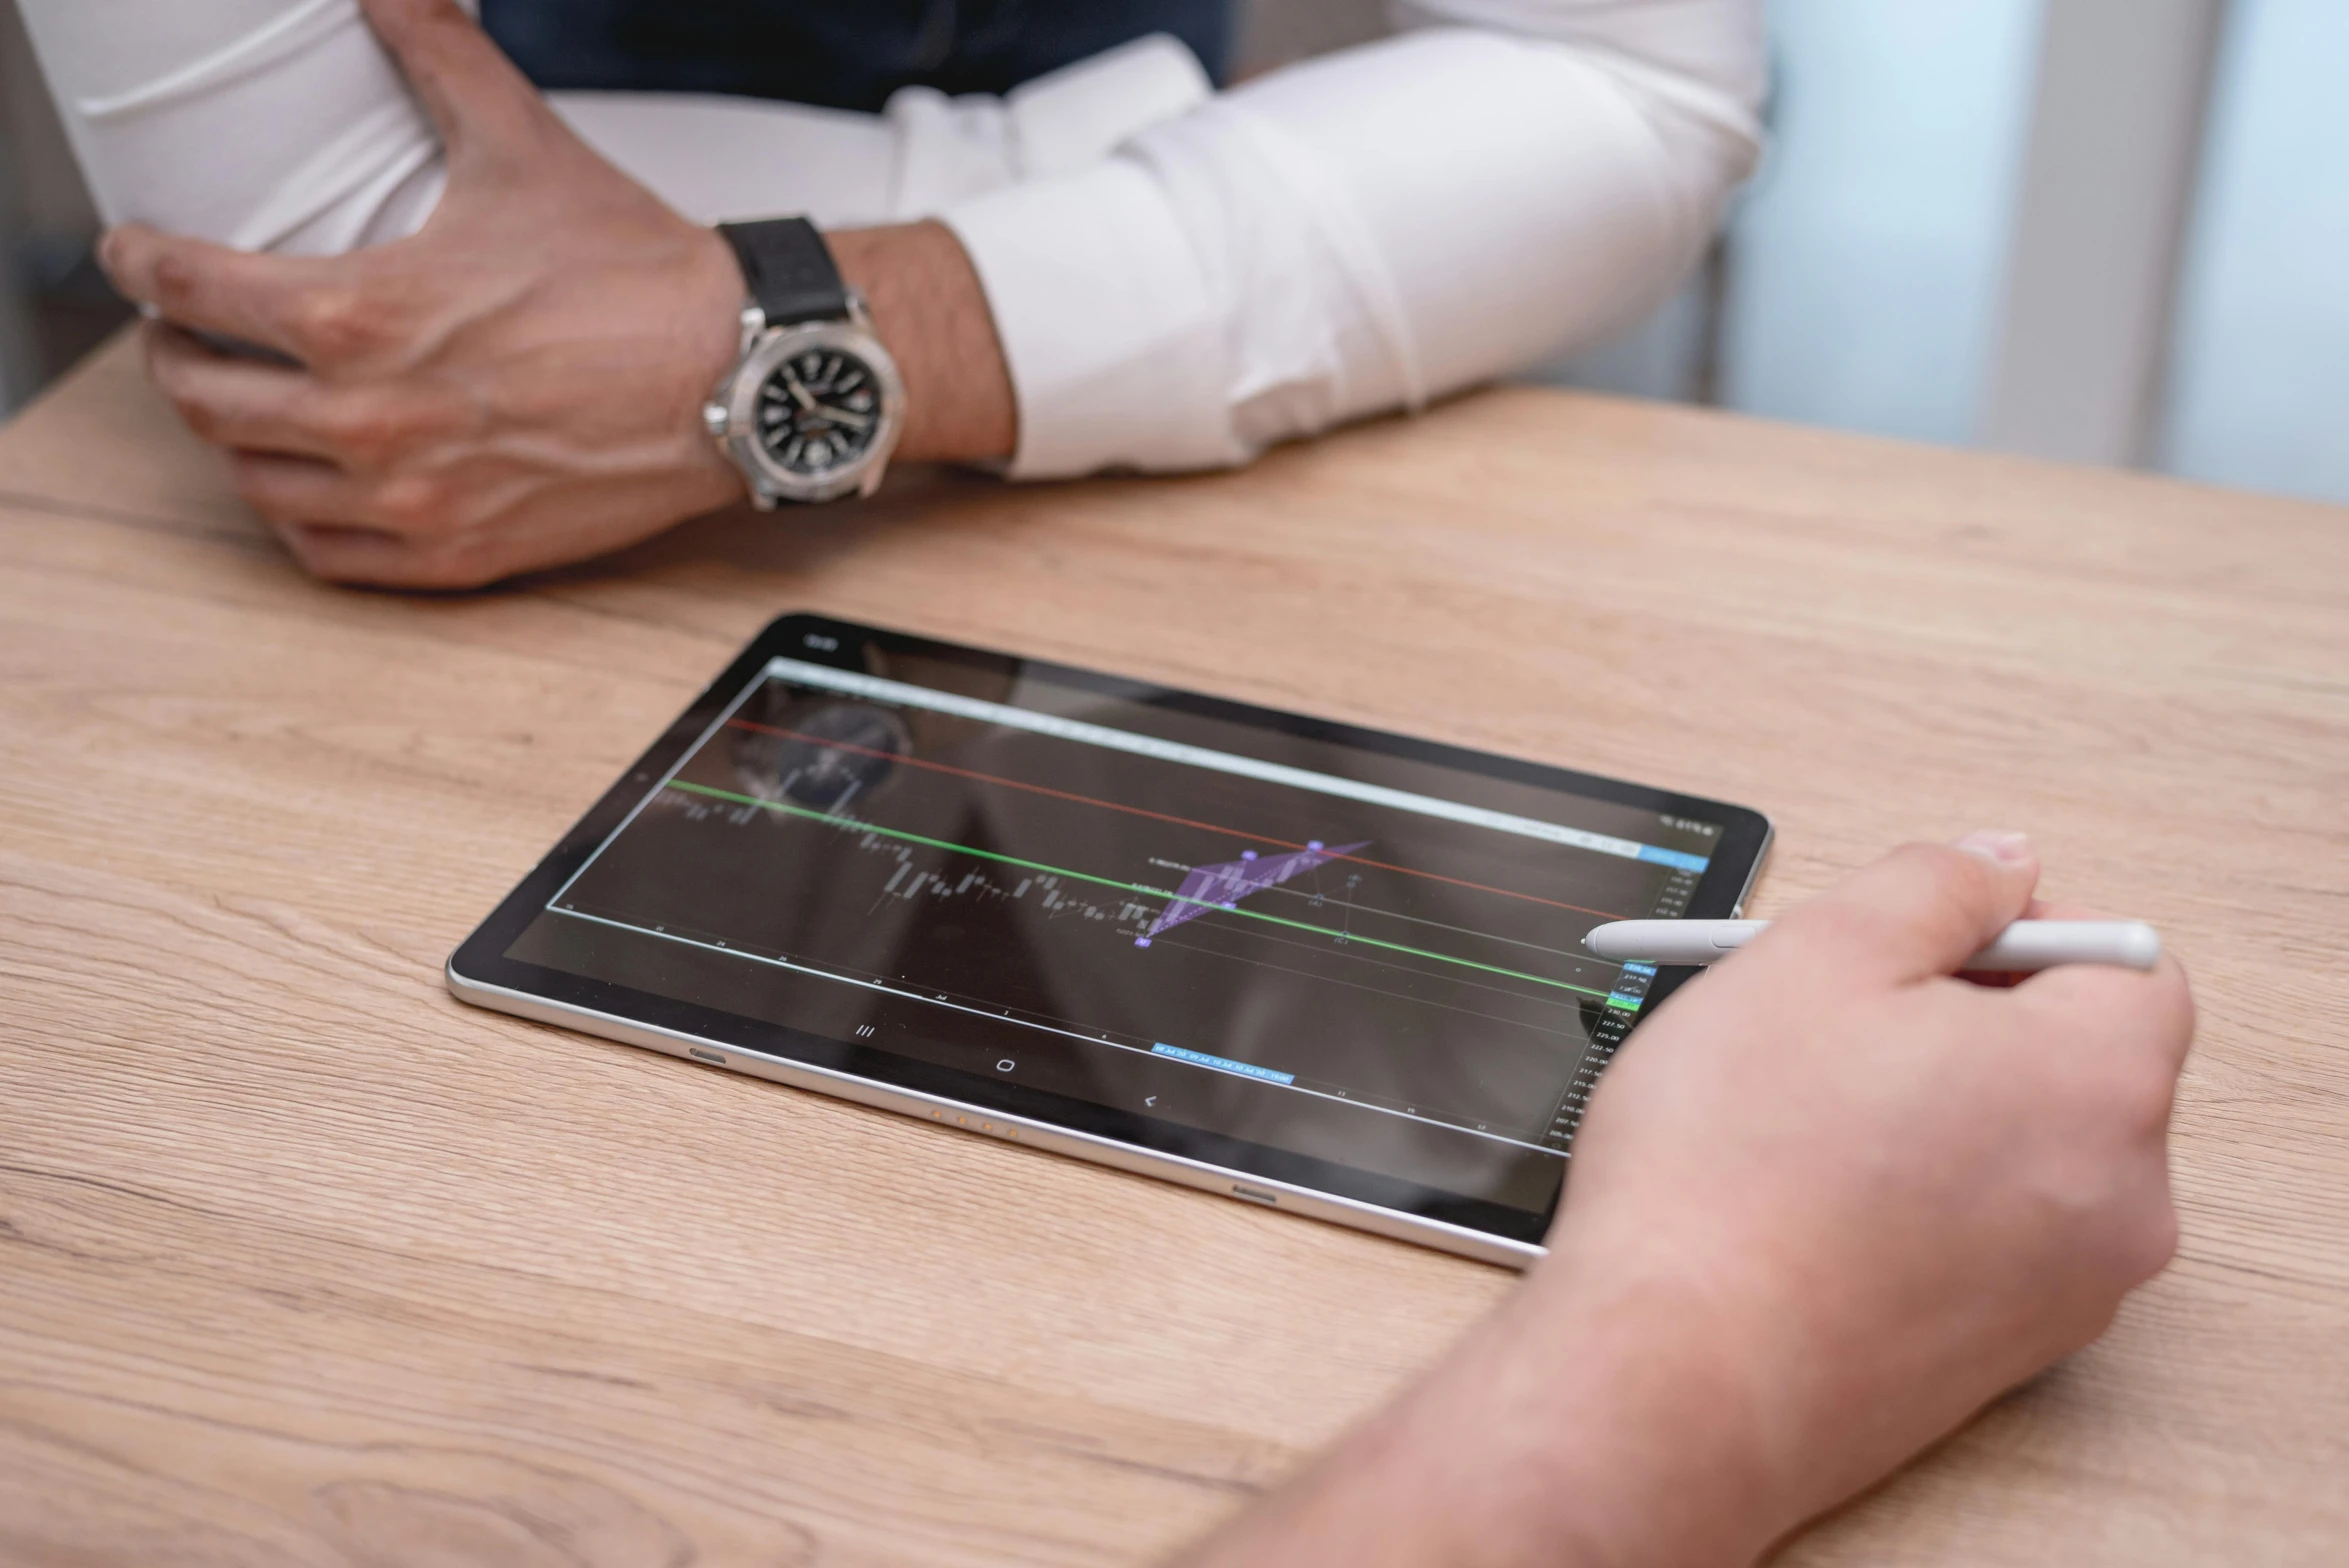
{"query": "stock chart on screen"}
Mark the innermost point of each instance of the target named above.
(1370, 958)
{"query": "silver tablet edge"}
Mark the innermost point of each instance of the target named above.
(935, 1111)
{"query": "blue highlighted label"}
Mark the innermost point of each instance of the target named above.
(1222, 1064)
(1673, 858)
(1639, 969)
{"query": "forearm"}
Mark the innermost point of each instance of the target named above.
(1592, 1421)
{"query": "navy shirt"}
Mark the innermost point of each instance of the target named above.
(851, 54)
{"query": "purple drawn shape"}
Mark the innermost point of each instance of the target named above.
(1224, 884)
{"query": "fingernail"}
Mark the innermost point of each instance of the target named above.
(1998, 846)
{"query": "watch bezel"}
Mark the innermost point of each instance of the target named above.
(769, 480)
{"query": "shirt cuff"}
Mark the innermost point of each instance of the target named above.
(1111, 329)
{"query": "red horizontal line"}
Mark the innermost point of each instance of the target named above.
(1139, 811)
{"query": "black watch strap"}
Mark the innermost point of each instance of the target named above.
(788, 269)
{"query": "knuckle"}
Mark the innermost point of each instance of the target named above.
(1917, 890)
(1959, 880)
(413, 503)
(336, 323)
(1837, 925)
(463, 561)
(1956, 891)
(174, 281)
(364, 430)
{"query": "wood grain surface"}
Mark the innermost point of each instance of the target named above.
(303, 1262)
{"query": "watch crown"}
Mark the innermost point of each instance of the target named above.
(716, 420)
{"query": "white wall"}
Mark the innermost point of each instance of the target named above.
(1868, 260)
(2259, 389)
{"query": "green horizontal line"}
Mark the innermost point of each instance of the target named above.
(1112, 882)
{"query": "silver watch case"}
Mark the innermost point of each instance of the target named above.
(730, 415)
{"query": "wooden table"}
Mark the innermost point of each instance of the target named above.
(301, 1261)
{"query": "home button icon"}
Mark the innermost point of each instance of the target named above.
(1005, 1065)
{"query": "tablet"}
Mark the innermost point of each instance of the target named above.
(1301, 964)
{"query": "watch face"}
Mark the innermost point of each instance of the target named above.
(819, 411)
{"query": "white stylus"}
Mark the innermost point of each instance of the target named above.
(2022, 947)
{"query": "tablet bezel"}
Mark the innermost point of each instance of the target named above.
(480, 972)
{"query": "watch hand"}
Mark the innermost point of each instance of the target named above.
(799, 394)
(841, 416)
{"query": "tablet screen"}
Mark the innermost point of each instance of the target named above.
(1069, 896)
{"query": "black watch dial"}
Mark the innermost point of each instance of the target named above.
(819, 411)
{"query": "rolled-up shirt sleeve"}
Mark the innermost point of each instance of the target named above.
(1362, 232)
(263, 124)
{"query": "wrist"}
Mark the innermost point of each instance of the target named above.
(930, 312)
(1603, 1417)
(713, 282)
(1653, 1442)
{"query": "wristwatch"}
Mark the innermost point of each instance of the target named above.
(814, 404)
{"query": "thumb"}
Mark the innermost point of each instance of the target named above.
(475, 95)
(1924, 909)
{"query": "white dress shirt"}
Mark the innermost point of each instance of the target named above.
(1179, 277)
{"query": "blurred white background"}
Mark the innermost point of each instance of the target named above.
(2109, 230)
(2112, 231)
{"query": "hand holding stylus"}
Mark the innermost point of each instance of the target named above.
(1824, 1207)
